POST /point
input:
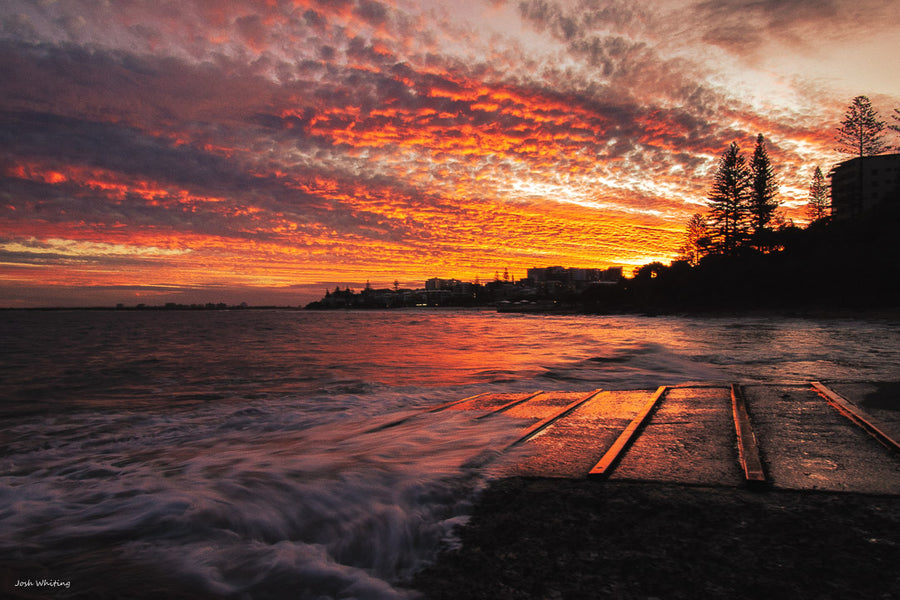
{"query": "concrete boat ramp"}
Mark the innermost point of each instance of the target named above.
(785, 436)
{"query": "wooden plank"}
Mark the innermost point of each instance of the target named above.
(441, 407)
(748, 449)
(855, 414)
(433, 409)
(544, 423)
(500, 409)
(612, 456)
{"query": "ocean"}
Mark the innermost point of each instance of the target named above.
(238, 453)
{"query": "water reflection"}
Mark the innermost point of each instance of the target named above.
(210, 356)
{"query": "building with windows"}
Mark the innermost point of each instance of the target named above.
(436, 283)
(860, 184)
(559, 278)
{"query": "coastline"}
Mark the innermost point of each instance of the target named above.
(823, 312)
(556, 538)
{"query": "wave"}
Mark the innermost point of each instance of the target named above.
(239, 502)
(637, 365)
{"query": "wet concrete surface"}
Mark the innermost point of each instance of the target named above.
(880, 401)
(543, 406)
(689, 439)
(572, 445)
(489, 402)
(805, 443)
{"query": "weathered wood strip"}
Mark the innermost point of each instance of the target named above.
(544, 423)
(503, 407)
(433, 409)
(441, 407)
(748, 449)
(855, 414)
(612, 456)
(571, 445)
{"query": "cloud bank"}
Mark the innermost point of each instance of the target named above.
(269, 145)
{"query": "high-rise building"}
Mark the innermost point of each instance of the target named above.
(860, 184)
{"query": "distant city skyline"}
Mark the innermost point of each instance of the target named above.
(262, 152)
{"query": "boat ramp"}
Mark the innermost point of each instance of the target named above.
(806, 436)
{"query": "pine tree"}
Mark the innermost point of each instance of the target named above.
(764, 189)
(861, 130)
(728, 202)
(696, 240)
(818, 206)
(896, 117)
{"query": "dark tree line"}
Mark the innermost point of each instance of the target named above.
(827, 266)
(743, 199)
(743, 254)
(743, 206)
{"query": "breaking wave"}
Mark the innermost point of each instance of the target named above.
(245, 501)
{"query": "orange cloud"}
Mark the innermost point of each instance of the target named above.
(275, 144)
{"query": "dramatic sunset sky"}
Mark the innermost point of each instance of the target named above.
(265, 150)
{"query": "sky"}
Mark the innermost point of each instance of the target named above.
(263, 151)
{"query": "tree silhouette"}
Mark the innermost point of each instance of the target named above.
(696, 240)
(861, 130)
(818, 205)
(763, 189)
(896, 117)
(728, 202)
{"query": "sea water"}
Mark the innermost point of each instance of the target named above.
(240, 453)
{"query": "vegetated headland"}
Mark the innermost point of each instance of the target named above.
(829, 266)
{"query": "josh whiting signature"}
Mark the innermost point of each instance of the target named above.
(52, 583)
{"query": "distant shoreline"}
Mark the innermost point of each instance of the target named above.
(812, 312)
(180, 307)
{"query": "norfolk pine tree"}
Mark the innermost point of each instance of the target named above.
(696, 240)
(861, 130)
(818, 205)
(763, 189)
(896, 117)
(728, 202)
(861, 134)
